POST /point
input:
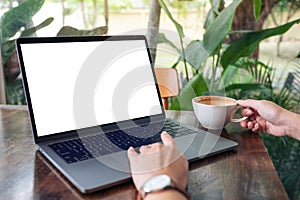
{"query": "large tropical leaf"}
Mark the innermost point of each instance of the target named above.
(195, 87)
(71, 31)
(196, 54)
(163, 39)
(219, 28)
(31, 31)
(198, 51)
(13, 20)
(181, 35)
(245, 87)
(257, 8)
(213, 12)
(228, 75)
(9, 45)
(18, 17)
(247, 44)
(177, 25)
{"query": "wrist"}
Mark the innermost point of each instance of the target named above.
(291, 126)
(161, 185)
(166, 194)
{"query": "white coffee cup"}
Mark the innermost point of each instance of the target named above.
(214, 112)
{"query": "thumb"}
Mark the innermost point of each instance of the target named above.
(249, 103)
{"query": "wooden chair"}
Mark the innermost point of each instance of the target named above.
(168, 84)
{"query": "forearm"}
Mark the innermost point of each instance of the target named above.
(166, 194)
(293, 125)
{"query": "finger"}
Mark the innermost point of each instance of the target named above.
(166, 138)
(247, 112)
(250, 125)
(262, 123)
(131, 152)
(256, 128)
(251, 103)
(156, 146)
(145, 148)
(244, 123)
(248, 103)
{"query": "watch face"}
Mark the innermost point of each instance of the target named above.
(156, 183)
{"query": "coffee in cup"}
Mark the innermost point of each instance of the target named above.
(214, 112)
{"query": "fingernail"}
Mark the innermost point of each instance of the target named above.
(239, 101)
(248, 112)
(130, 148)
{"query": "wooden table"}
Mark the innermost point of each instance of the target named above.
(247, 173)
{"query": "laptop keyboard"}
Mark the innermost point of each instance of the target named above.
(79, 149)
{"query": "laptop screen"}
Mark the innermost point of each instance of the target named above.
(80, 84)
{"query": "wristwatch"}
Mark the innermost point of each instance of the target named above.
(158, 183)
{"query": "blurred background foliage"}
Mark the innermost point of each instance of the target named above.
(242, 75)
(229, 67)
(16, 22)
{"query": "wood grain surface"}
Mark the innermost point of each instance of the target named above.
(247, 173)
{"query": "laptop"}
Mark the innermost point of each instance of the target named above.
(90, 98)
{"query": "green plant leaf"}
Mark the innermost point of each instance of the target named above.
(219, 28)
(71, 31)
(7, 49)
(176, 63)
(16, 18)
(210, 17)
(177, 25)
(32, 30)
(195, 87)
(213, 12)
(196, 54)
(247, 44)
(15, 93)
(261, 72)
(256, 9)
(245, 86)
(291, 180)
(163, 39)
(215, 5)
(228, 74)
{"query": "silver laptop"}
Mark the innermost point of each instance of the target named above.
(91, 98)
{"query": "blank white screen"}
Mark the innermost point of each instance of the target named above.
(116, 74)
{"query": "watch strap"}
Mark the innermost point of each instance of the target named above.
(141, 195)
